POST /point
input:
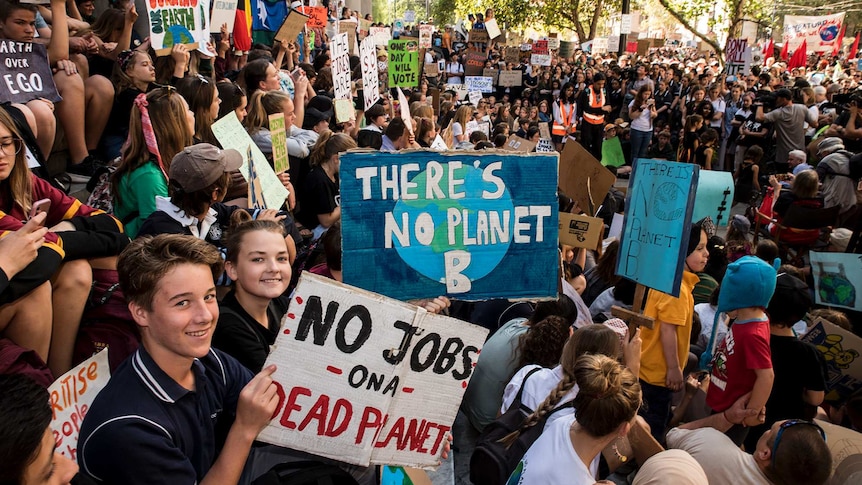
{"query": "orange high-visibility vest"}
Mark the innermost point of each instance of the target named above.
(596, 101)
(560, 129)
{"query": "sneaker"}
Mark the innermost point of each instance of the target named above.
(84, 171)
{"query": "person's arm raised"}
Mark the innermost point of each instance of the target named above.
(257, 403)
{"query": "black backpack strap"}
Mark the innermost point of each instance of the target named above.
(570, 404)
(517, 401)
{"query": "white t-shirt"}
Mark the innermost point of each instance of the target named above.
(552, 460)
(642, 122)
(722, 461)
(455, 71)
(537, 389)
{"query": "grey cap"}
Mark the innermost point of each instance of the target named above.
(199, 166)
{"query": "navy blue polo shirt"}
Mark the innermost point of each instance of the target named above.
(145, 428)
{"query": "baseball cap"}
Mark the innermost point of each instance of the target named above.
(199, 166)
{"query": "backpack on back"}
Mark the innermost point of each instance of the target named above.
(305, 473)
(492, 462)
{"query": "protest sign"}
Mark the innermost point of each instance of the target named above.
(613, 43)
(278, 133)
(492, 29)
(738, 57)
(841, 350)
(612, 153)
(343, 110)
(340, 66)
(517, 144)
(626, 24)
(382, 35)
(510, 78)
(566, 49)
(398, 25)
(512, 55)
(364, 29)
(458, 89)
(714, 197)
(381, 380)
(26, 73)
(481, 84)
(370, 79)
(654, 242)
(432, 69)
(231, 134)
(426, 32)
(474, 63)
(600, 46)
(474, 97)
(224, 12)
(580, 231)
(403, 64)
(545, 145)
(174, 22)
(348, 27)
(845, 446)
(821, 33)
(583, 178)
(397, 475)
(544, 132)
(479, 36)
(837, 279)
(317, 17)
(494, 74)
(540, 54)
(292, 26)
(409, 16)
(553, 41)
(421, 223)
(71, 397)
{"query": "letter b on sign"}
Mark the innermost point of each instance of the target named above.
(455, 263)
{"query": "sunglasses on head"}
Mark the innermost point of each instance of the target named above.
(788, 424)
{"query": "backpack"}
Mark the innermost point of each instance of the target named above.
(101, 196)
(855, 165)
(15, 359)
(305, 473)
(106, 322)
(492, 462)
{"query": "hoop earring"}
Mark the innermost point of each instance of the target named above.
(622, 458)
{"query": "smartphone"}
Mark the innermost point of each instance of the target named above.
(39, 207)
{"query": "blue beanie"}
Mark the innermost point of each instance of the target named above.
(748, 282)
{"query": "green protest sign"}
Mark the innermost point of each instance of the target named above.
(403, 63)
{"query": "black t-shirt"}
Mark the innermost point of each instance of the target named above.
(242, 337)
(854, 146)
(320, 195)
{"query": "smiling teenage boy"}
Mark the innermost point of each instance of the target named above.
(176, 411)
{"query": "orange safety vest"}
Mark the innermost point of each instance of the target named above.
(560, 129)
(596, 101)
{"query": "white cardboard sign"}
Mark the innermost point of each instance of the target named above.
(71, 397)
(370, 79)
(482, 84)
(381, 380)
(340, 66)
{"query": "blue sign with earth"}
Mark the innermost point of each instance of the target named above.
(472, 226)
(659, 207)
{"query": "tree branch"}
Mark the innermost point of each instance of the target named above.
(685, 23)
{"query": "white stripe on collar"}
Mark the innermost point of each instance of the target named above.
(148, 379)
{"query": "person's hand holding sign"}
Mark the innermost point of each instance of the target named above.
(257, 403)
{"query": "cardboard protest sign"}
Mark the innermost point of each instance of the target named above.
(432, 69)
(845, 446)
(370, 79)
(492, 73)
(403, 64)
(26, 73)
(381, 380)
(837, 279)
(492, 28)
(600, 46)
(544, 131)
(612, 152)
(583, 178)
(292, 26)
(545, 145)
(553, 41)
(738, 55)
(426, 32)
(421, 223)
(317, 17)
(481, 84)
(512, 55)
(409, 16)
(567, 49)
(714, 197)
(580, 231)
(343, 110)
(541, 54)
(278, 133)
(820, 33)
(474, 63)
(175, 22)
(349, 27)
(474, 97)
(613, 43)
(479, 36)
(231, 134)
(510, 78)
(517, 144)
(841, 350)
(382, 35)
(223, 12)
(654, 242)
(398, 25)
(71, 397)
(340, 66)
(459, 89)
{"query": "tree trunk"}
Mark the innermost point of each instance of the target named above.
(685, 23)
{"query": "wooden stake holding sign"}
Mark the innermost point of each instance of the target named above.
(654, 240)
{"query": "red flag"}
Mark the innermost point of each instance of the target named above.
(854, 47)
(785, 50)
(769, 49)
(800, 57)
(840, 40)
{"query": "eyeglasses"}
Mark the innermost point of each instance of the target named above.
(788, 424)
(11, 146)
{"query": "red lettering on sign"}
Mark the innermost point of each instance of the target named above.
(291, 406)
(369, 422)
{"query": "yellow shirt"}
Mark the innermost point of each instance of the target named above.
(673, 311)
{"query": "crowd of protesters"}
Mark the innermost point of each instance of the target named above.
(168, 221)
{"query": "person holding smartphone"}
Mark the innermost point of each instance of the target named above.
(642, 112)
